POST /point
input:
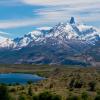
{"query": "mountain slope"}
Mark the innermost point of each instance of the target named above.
(62, 44)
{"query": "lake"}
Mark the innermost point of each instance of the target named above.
(12, 78)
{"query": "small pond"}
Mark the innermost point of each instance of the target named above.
(12, 78)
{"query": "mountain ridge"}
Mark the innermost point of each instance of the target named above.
(66, 31)
(62, 44)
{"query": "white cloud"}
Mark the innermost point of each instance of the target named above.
(16, 23)
(7, 24)
(55, 11)
(60, 10)
(44, 28)
(48, 17)
(3, 33)
(9, 2)
(59, 2)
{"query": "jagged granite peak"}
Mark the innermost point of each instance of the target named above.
(72, 20)
(61, 33)
(65, 43)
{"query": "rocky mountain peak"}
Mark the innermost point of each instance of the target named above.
(72, 20)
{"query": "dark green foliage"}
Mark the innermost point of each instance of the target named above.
(30, 82)
(46, 96)
(73, 98)
(75, 83)
(51, 86)
(21, 97)
(12, 90)
(78, 84)
(4, 93)
(56, 97)
(92, 85)
(98, 91)
(84, 96)
(71, 84)
(30, 91)
(35, 97)
(97, 97)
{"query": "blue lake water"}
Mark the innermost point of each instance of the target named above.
(11, 78)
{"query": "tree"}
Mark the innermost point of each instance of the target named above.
(4, 93)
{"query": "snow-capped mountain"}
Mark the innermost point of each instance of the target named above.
(6, 43)
(62, 32)
(56, 45)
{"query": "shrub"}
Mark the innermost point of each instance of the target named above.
(71, 84)
(46, 96)
(75, 83)
(78, 84)
(56, 97)
(98, 91)
(97, 97)
(29, 82)
(35, 97)
(92, 85)
(12, 90)
(30, 91)
(73, 98)
(21, 97)
(84, 96)
(4, 93)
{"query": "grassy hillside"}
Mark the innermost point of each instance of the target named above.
(64, 82)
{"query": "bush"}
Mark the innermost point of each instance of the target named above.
(92, 86)
(12, 90)
(29, 82)
(21, 97)
(98, 91)
(35, 97)
(78, 84)
(4, 93)
(46, 96)
(75, 83)
(84, 96)
(73, 98)
(71, 84)
(97, 97)
(56, 97)
(30, 91)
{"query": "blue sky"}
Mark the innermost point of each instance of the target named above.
(18, 17)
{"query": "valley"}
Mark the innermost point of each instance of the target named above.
(62, 81)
